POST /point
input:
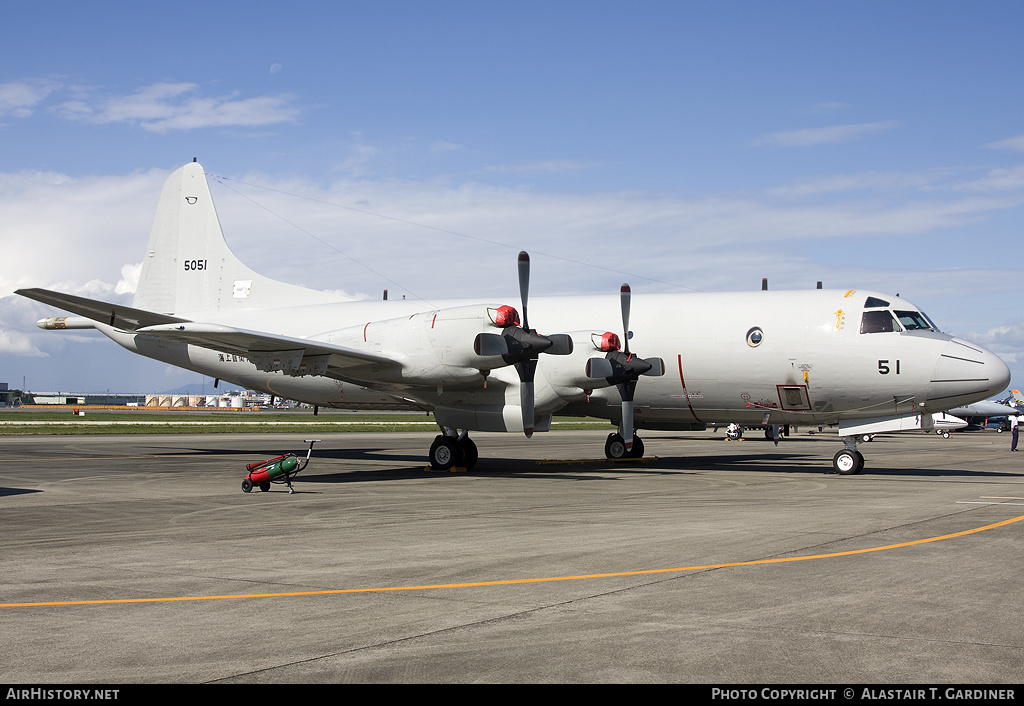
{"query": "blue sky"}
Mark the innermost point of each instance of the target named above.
(678, 146)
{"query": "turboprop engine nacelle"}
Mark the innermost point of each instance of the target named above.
(454, 345)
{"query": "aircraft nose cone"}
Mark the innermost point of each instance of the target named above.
(967, 373)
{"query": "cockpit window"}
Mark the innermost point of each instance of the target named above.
(914, 320)
(880, 321)
(929, 320)
(873, 302)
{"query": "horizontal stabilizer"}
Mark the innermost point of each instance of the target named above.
(123, 317)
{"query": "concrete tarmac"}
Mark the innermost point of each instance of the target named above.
(575, 570)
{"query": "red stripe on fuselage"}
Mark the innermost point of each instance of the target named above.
(683, 383)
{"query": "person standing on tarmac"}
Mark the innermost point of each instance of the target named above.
(1014, 422)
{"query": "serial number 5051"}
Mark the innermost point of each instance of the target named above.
(195, 265)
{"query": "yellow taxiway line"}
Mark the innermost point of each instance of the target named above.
(510, 582)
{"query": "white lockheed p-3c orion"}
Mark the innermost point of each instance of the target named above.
(865, 361)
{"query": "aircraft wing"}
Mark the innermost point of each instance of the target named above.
(123, 317)
(268, 352)
(272, 352)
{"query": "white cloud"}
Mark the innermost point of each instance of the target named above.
(826, 108)
(19, 98)
(444, 146)
(1013, 143)
(807, 137)
(1008, 179)
(129, 281)
(75, 232)
(864, 181)
(78, 234)
(549, 166)
(999, 181)
(17, 342)
(1006, 341)
(163, 107)
(361, 155)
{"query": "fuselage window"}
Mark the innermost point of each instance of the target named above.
(913, 320)
(878, 322)
(873, 302)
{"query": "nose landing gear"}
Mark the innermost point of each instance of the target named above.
(848, 461)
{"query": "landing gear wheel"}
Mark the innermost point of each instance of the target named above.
(638, 447)
(467, 453)
(265, 486)
(615, 446)
(444, 453)
(246, 486)
(847, 462)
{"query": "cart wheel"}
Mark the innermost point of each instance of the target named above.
(265, 486)
(246, 485)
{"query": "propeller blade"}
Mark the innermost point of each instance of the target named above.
(524, 282)
(627, 423)
(624, 295)
(526, 400)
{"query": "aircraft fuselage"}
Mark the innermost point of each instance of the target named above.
(808, 363)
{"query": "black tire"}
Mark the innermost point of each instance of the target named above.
(468, 453)
(444, 453)
(638, 447)
(615, 447)
(246, 486)
(847, 463)
(265, 486)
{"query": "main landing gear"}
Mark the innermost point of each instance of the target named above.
(615, 447)
(453, 449)
(848, 461)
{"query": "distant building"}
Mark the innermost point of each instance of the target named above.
(11, 398)
(107, 399)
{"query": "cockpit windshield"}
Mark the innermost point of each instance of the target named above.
(914, 320)
(878, 321)
(885, 321)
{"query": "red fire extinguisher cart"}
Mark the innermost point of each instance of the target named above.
(280, 469)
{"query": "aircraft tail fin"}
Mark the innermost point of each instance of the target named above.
(188, 266)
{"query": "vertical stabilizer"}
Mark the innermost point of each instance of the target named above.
(188, 266)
